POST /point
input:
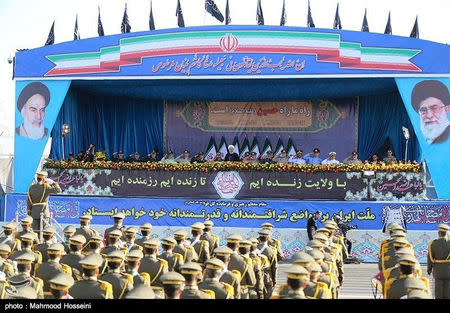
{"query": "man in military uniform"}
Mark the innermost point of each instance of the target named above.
(438, 262)
(52, 267)
(274, 242)
(173, 283)
(133, 262)
(37, 202)
(73, 258)
(84, 229)
(130, 239)
(260, 262)
(393, 271)
(270, 273)
(47, 241)
(188, 252)
(27, 241)
(60, 285)
(297, 279)
(95, 245)
(207, 235)
(25, 223)
(233, 278)
(8, 238)
(250, 280)
(6, 266)
(211, 281)
(68, 232)
(174, 260)
(325, 276)
(113, 242)
(191, 272)
(121, 283)
(25, 292)
(141, 292)
(90, 287)
(337, 244)
(153, 266)
(146, 229)
(394, 231)
(200, 246)
(24, 277)
(118, 224)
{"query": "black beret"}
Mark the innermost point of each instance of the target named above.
(31, 90)
(429, 88)
(316, 150)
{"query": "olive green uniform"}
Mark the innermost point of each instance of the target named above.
(438, 262)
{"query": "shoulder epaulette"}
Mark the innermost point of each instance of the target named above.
(124, 249)
(66, 269)
(146, 277)
(248, 260)
(95, 232)
(8, 266)
(140, 247)
(426, 281)
(46, 185)
(178, 256)
(211, 294)
(256, 261)
(277, 242)
(163, 262)
(238, 275)
(34, 246)
(36, 266)
(39, 281)
(107, 287)
(15, 235)
(128, 277)
(387, 286)
(282, 287)
(228, 288)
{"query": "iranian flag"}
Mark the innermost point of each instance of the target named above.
(279, 147)
(244, 148)
(254, 147)
(267, 147)
(290, 148)
(223, 147)
(236, 144)
(211, 150)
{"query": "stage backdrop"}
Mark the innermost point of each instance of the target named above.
(329, 124)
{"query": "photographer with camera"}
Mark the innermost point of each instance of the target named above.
(342, 230)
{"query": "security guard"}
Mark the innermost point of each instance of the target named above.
(52, 267)
(84, 229)
(121, 283)
(68, 232)
(153, 266)
(6, 265)
(297, 279)
(47, 234)
(260, 262)
(274, 242)
(25, 223)
(146, 229)
(173, 283)
(174, 260)
(207, 235)
(130, 238)
(24, 277)
(188, 252)
(438, 262)
(118, 221)
(200, 246)
(8, 237)
(133, 261)
(232, 278)
(27, 241)
(270, 273)
(60, 285)
(191, 272)
(37, 201)
(211, 281)
(73, 258)
(90, 287)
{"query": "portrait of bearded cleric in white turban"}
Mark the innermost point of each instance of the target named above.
(431, 100)
(32, 102)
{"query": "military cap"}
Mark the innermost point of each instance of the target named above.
(115, 256)
(5, 249)
(152, 243)
(330, 224)
(198, 226)
(134, 255)
(323, 230)
(316, 244)
(443, 227)
(62, 281)
(169, 241)
(29, 91)
(404, 250)
(320, 236)
(390, 225)
(354, 153)
(397, 233)
(10, 226)
(397, 227)
(315, 267)
(316, 150)
(49, 230)
(25, 292)
(56, 247)
(86, 217)
(302, 257)
(191, 268)
(253, 240)
(77, 240)
(316, 254)
(42, 174)
(27, 237)
(414, 283)
(131, 229)
(297, 272)
(208, 224)
(264, 232)
(234, 238)
(69, 229)
(27, 220)
(119, 215)
(223, 251)
(400, 241)
(140, 292)
(146, 226)
(407, 259)
(429, 88)
(96, 238)
(332, 153)
(215, 264)
(418, 294)
(92, 261)
(26, 258)
(115, 233)
(172, 278)
(267, 225)
(245, 243)
(180, 234)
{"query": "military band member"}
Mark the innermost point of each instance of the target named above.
(153, 266)
(25, 223)
(438, 262)
(274, 242)
(200, 246)
(297, 279)
(270, 273)
(188, 252)
(8, 237)
(191, 272)
(174, 260)
(146, 229)
(90, 287)
(130, 239)
(24, 277)
(47, 240)
(118, 224)
(7, 266)
(211, 281)
(207, 235)
(84, 229)
(121, 283)
(73, 258)
(27, 241)
(232, 278)
(173, 283)
(68, 232)
(60, 285)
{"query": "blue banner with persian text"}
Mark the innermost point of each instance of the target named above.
(235, 213)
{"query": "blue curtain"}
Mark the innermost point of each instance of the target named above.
(380, 118)
(112, 123)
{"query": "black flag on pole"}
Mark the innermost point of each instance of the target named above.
(227, 14)
(283, 15)
(51, 35)
(388, 29)
(100, 25)
(211, 8)
(76, 33)
(310, 22)
(415, 30)
(365, 25)
(337, 20)
(125, 27)
(180, 15)
(259, 14)
(151, 22)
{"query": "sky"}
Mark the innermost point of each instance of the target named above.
(26, 23)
